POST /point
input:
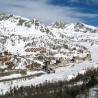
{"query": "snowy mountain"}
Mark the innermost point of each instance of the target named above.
(29, 47)
(21, 36)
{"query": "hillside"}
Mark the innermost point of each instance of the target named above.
(31, 50)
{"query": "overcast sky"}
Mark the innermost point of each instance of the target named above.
(48, 11)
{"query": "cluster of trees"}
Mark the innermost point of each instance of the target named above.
(61, 89)
(48, 90)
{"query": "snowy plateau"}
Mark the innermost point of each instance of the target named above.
(32, 53)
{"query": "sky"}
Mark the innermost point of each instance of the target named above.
(48, 11)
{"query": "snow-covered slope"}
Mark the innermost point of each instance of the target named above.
(62, 41)
(18, 34)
